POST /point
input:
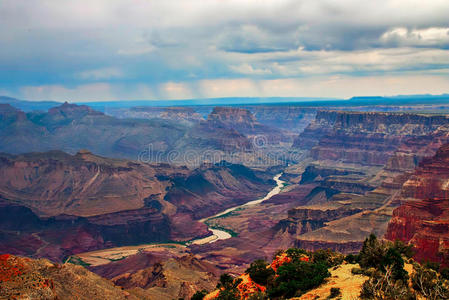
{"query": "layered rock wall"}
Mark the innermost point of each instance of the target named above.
(367, 138)
(423, 217)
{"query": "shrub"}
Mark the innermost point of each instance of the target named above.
(445, 273)
(403, 249)
(432, 265)
(394, 259)
(226, 280)
(328, 257)
(351, 258)
(297, 277)
(258, 296)
(335, 292)
(372, 252)
(199, 295)
(429, 283)
(259, 272)
(382, 286)
(228, 286)
(296, 253)
(228, 295)
(384, 264)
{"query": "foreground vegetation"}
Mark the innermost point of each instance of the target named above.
(294, 272)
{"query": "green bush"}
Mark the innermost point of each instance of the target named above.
(406, 250)
(296, 278)
(199, 295)
(328, 257)
(259, 272)
(432, 265)
(258, 296)
(382, 286)
(229, 288)
(228, 295)
(372, 252)
(225, 281)
(335, 292)
(351, 258)
(394, 259)
(296, 253)
(429, 283)
(384, 264)
(445, 273)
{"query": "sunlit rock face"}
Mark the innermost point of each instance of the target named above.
(423, 217)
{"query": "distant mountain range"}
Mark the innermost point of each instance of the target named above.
(26, 105)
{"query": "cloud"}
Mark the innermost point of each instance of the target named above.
(100, 74)
(175, 90)
(136, 50)
(427, 37)
(335, 86)
(61, 93)
(175, 48)
(326, 86)
(228, 88)
(101, 91)
(249, 70)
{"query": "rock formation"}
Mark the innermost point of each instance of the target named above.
(71, 127)
(65, 204)
(25, 278)
(423, 217)
(243, 121)
(367, 138)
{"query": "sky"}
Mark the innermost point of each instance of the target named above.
(103, 50)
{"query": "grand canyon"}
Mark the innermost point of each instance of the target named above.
(223, 187)
(224, 150)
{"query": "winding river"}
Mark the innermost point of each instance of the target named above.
(218, 234)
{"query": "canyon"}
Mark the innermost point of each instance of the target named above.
(333, 201)
(55, 204)
(360, 162)
(169, 226)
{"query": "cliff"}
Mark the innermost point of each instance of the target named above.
(368, 138)
(243, 121)
(423, 217)
(285, 117)
(304, 219)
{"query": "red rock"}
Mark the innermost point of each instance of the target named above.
(423, 217)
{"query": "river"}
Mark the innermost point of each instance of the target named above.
(218, 234)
